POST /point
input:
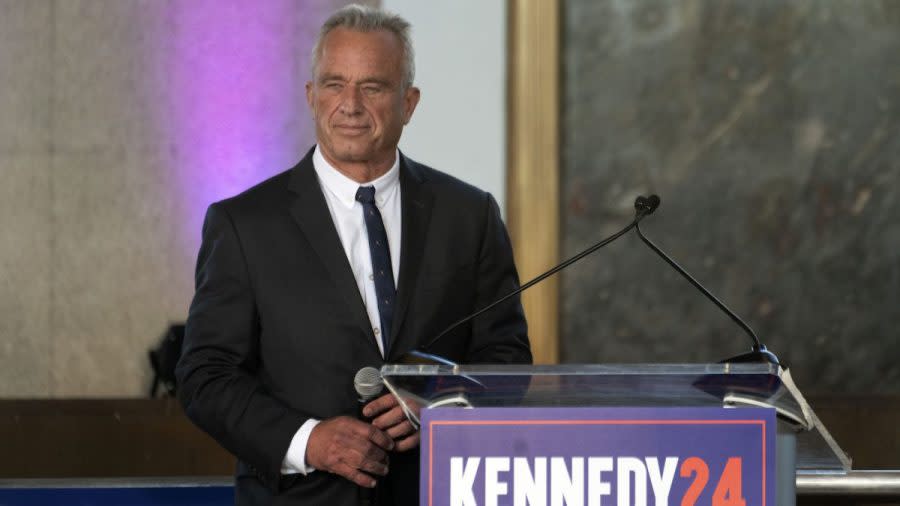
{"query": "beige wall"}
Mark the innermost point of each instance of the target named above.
(94, 259)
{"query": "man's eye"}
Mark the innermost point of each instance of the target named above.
(333, 86)
(371, 90)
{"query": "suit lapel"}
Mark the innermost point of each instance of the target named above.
(310, 211)
(416, 203)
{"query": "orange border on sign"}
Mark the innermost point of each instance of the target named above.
(432, 424)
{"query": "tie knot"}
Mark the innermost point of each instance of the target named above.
(366, 194)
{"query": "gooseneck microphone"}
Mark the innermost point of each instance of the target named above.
(643, 206)
(758, 352)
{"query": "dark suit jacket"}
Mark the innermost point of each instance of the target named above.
(277, 328)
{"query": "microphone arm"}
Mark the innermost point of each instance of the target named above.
(643, 206)
(758, 352)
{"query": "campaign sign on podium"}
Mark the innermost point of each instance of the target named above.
(598, 456)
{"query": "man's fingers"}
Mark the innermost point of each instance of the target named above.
(368, 451)
(349, 448)
(357, 450)
(401, 430)
(353, 474)
(389, 419)
(379, 437)
(408, 443)
(379, 405)
(378, 467)
(395, 424)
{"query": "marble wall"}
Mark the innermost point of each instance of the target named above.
(771, 131)
(119, 122)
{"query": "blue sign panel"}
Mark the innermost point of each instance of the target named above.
(598, 456)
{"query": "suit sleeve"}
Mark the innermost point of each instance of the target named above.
(501, 334)
(216, 377)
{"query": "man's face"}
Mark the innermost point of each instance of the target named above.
(358, 99)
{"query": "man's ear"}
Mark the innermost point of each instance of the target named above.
(310, 97)
(410, 101)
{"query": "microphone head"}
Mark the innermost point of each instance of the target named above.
(640, 203)
(646, 205)
(368, 383)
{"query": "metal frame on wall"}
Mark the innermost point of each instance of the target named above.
(533, 162)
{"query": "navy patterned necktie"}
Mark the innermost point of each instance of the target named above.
(381, 261)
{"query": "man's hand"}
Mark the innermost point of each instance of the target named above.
(387, 415)
(350, 448)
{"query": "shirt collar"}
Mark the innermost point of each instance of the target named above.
(345, 188)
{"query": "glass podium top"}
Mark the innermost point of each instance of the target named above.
(625, 385)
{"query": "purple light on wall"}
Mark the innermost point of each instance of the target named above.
(239, 113)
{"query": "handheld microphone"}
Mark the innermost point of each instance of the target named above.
(368, 385)
(643, 206)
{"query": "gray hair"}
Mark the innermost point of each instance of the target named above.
(362, 18)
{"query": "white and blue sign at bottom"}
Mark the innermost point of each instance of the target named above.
(598, 456)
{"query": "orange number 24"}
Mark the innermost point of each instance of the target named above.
(728, 489)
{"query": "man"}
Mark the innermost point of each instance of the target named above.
(350, 259)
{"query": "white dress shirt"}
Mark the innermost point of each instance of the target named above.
(347, 214)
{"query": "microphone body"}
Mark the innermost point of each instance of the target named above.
(368, 385)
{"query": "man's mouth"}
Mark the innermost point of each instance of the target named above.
(351, 129)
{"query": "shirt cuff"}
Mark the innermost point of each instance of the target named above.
(295, 458)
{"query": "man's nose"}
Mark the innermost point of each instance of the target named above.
(350, 101)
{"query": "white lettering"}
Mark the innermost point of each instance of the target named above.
(627, 467)
(462, 480)
(493, 487)
(524, 481)
(661, 482)
(564, 486)
(530, 488)
(597, 488)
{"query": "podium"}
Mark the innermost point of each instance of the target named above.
(612, 434)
